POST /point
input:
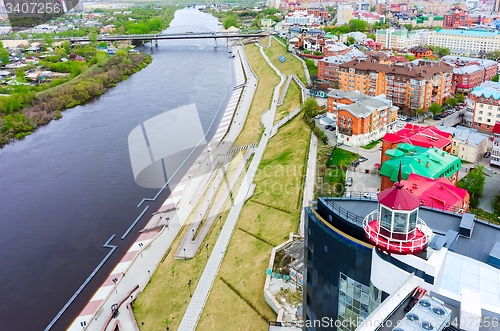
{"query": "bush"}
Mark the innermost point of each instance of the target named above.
(474, 202)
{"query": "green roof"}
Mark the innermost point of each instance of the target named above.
(329, 36)
(427, 162)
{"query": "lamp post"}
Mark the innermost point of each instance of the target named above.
(207, 250)
(220, 224)
(189, 283)
(184, 254)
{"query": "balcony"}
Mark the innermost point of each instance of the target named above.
(413, 242)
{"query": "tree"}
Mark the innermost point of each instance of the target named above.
(495, 78)
(93, 38)
(20, 73)
(4, 54)
(310, 107)
(372, 36)
(460, 97)
(419, 111)
(229, 22)
(496, 203)
(408, 27)
(103, 44)
(451, 102)
(351, 40)
(48, 41)
(474, 184)
(357, 25)
(435, 109)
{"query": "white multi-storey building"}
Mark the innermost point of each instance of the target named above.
(344, 14)
(465, 41)
(495, 152)
(398, 39)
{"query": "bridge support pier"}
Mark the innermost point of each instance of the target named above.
(215, 42)
(156, 42)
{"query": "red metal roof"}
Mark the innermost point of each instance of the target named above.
(440, 193)
(423, 136)
(398, 198)
(496, 129)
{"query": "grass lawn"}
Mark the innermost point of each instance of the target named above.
(267, 218)
(151, 306)
(341, 157)
(485, 216)
(333, 177)
(372, 144)
(268, 80)
(322, 158)
(292, 100)
(291, 66)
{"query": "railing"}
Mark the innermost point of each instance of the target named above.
(392, 243)
(423, 202)
(349, 216)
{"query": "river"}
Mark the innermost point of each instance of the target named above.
(65, 189)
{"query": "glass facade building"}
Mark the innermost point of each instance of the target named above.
(338, 267)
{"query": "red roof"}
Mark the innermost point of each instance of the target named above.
(438, 193)
(398, 198)
(422, 136)
(496, 129)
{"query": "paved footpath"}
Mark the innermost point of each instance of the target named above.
(139, 263)
(310, 180)
(202, 291)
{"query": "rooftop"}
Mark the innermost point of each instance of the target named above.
(477, 33)
(438, 191)
(362, 105)
(487, 89)
(420, 136)
(467, 136)
(416, 71)
(427, 162)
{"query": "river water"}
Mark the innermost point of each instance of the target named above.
(68, 187)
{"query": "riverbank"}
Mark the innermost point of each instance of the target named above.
(23, 112)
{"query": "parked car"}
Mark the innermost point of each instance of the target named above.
(332, 128)
(362, 159)
(355, 164)
(370, 195)
(327, 127)
(348, 181)
(408, 119)
(487, 154)
(401, 125)
(380, 148)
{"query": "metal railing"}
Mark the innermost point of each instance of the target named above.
(423, 202)
(393, 244)
(349, 216)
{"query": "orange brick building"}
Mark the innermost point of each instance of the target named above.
(360, 119)
(421, 52)
(409, 86)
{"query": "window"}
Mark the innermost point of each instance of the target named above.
(400, 222)
(480, 112)
(489, 107)
(481, 106)
(386, 218)
(489, 114)
(355, 300)
(479, 118)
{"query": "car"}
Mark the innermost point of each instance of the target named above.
(355, 164)
(380, 148)
(370, 195)
(408, 119)
(332, 128)
(348, 182)
(487, 154)
(327, 127)
(401, 125)
(362, 159)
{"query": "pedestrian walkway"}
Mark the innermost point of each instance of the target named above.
(310, 180)
(285, 120)
(202, 291)
(285, 90)
(190, 245)
(137, 266)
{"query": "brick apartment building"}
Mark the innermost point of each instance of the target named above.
(360, 118)
(495, 152)
(457, 19)
(328, 67)
(470, 72)
(410, 86)
(486, 103)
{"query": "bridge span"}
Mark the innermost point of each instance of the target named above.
(187, 35)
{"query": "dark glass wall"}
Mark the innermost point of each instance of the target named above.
(327, 255)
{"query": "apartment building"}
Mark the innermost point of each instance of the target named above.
(495, 152)
(465, 41)
(457, 19)
(486, 100)
(344, 14)
(397, 39)
(360, 118)
(428, 21)
(410, 85)
(328, 67)
(468, 144)
(470, 72)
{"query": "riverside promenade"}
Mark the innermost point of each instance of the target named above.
(133, 272)
(202, 291)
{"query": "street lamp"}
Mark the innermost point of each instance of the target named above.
(189, 283)
(220, 224)
(184, 254)
(207, 250)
